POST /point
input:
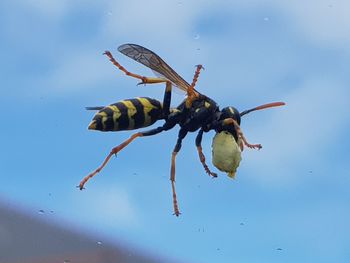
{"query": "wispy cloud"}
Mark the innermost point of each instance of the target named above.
(78, 70)
(325, 23)
(163, 25)
(301, 132)
(52, 10)
(110, 205)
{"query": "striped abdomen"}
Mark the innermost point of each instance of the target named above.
(127, 115)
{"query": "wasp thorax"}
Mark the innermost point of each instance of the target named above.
(226, 154)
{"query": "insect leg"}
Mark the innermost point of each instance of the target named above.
(167, 99)
(182, 134)
(201, 155)
(144, 80)
(240, 134)
(195, 77)
(191, 92)
(167, 125)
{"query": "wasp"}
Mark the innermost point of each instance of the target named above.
(197, 112)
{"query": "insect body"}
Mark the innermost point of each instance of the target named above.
(128, 115)
(196, 112)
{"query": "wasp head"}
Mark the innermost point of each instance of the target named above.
(225, 113)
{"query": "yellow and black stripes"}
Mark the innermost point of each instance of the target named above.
(128, 115)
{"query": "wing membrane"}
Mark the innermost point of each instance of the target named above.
(154, 62)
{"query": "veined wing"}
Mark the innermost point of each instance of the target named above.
(154, 62)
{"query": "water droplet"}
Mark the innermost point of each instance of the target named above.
(41, 212)
(279, 249)
(99, 243)
(266, 18)
(196, 36)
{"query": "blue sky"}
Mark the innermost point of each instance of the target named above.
(293, 194)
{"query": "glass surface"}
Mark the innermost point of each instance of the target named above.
(289, 201)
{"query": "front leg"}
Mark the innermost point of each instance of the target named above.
(233, 122)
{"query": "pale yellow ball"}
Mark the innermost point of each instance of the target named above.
(226, 154)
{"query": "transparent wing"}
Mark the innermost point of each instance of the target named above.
(178, 90)
(154, 62)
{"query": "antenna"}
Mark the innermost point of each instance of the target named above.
(264, 106)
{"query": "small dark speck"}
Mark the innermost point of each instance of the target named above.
(218, 249)
(279, 249)
(310, 172)
(242, 224)
(41, 211)
(134, 174)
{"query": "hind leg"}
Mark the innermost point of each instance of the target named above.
(144, 80)
(167, 125)
(182, 134)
